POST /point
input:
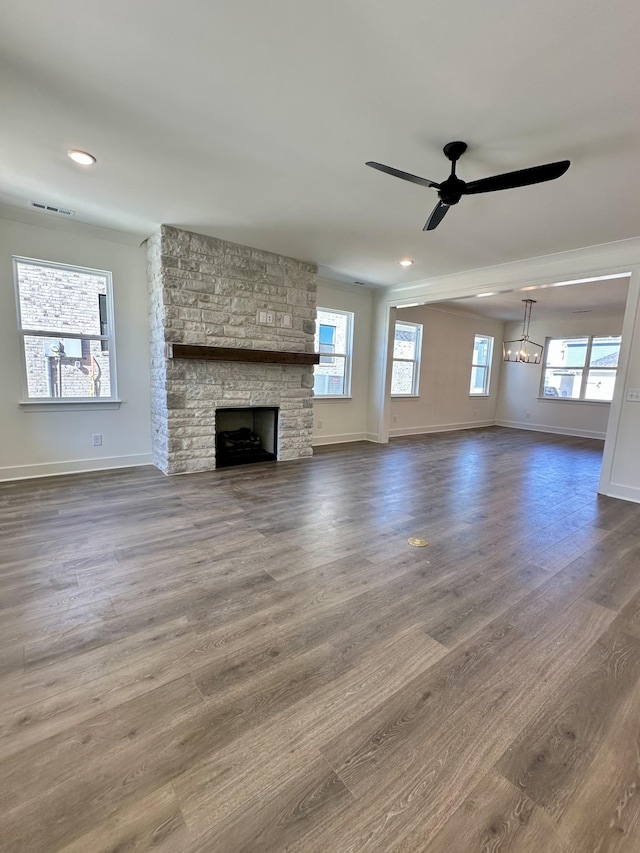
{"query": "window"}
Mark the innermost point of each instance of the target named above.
(407, 343)
(481, 365)
(334, 334)
(580, 368)
(65, 319)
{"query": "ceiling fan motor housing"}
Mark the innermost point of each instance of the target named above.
(451, 190)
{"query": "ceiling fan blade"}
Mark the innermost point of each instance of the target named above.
(521, 178)
(397, 173)
(437, 215)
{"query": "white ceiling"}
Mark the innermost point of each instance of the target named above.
(608, 296)
(252, 120)
(602, 297)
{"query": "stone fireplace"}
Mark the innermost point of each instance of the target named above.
(231, 328)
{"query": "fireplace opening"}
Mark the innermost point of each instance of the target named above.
(246, 435)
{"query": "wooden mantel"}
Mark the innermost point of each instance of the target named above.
(242, 354)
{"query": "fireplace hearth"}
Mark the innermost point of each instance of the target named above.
(246, 435)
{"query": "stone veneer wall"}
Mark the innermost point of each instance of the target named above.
(209, 292)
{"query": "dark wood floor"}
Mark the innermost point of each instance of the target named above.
(256, 660)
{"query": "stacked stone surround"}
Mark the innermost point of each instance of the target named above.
(209, 292)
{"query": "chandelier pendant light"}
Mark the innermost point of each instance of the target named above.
(523, 350)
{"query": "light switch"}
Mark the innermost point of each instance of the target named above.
(286, 321)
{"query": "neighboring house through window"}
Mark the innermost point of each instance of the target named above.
(407, 345)
(580, 368)
(65, 319)
(334, 340)
(481, 365)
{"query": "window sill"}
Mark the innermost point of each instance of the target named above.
(66, 405)
(479, 396)
(565, 400)
(405, 396)
(332, 397)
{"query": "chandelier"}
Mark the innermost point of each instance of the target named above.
(523, 350)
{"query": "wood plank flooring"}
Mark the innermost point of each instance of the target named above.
(255, 659)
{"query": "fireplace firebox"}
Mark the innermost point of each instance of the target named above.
(246, 435)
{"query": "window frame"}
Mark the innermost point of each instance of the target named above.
(415, 379)
(585, 370)
(486, 367)
(108, 339)
(334, 356)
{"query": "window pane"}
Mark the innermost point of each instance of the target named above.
(562, 383)
(567, 352)
(478, 378)
(600, 385)
(61, 300)
(481, 350)
(402, 377)
(327, 338)
(330, 379)
(605, 352)
(332, 331)
(405, 341)
(66, 368)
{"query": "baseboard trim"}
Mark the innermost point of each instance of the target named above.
(76, 466)
(624, 493)
(577, 433)
(398, 432)
(319, 440)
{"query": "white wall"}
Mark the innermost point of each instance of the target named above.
(39, 443)
(519, 405)
(340, 420)
(445, 373)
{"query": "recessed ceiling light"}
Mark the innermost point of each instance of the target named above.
(481, 295)
(81, 157)
(405, 263)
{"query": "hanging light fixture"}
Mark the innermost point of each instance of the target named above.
(523, 350)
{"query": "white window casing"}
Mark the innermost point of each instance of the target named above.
(334, 342)
(66, 328)
(407, 350)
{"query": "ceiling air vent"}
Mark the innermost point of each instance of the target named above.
(50, 208)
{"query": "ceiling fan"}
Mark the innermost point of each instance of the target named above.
(452, 190)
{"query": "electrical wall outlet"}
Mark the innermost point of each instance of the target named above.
(97, 439)
(319, 424)
(266, 318)
(528, 415)
(633, 395)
